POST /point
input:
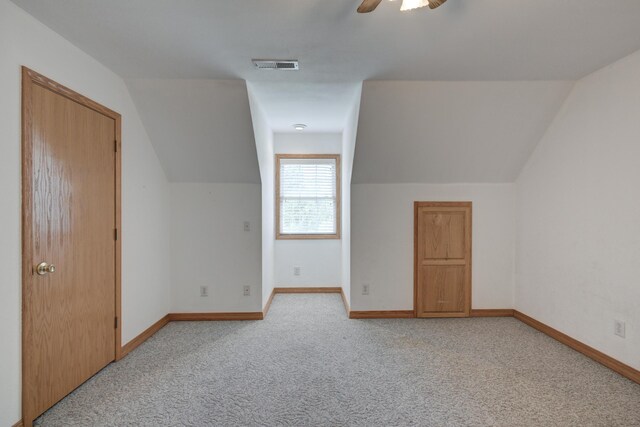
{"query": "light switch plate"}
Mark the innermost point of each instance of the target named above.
(619, 328)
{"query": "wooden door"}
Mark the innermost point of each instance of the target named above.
(70, 216)
(442, 273)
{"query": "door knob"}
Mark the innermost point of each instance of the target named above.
(44, 268)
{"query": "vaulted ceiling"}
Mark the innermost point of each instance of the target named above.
(444, 132)
(323, 107)
(458, 94)
(201, 129)
(461, 40)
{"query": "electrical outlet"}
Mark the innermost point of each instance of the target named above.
(247, 226)
(246, 290)
(365, 289)
(296, 271)
(619, 328)
(204, 291)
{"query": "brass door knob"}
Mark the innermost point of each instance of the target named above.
(44, 268)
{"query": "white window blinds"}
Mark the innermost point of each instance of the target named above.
(307, 196)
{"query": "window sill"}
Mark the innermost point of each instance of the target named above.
(308, 236)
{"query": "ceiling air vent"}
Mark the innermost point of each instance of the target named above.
(276, 64)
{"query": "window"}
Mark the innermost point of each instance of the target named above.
(308, 196)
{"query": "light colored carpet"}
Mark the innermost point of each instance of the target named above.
(307, 364)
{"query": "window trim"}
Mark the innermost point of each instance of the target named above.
(336, 235)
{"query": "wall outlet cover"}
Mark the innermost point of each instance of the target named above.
(365, 289)
(296, 271)
(246, 290)
(247, 226)
(204, 291)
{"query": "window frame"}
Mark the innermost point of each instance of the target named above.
(327, 236)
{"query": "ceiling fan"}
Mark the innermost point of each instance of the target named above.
(370, 5)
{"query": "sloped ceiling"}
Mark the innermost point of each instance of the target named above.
(323, 107)
(461, 40)
(468, 90)
(451, 132)
(201, 129)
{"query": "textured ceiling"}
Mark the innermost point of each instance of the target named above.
(451, 132)
(461, 40)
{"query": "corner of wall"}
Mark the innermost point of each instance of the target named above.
(349, 138)
(574, 263)
(263, 135)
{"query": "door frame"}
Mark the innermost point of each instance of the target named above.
(31, 78)
(469, 233)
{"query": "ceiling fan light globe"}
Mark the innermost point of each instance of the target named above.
(413, 4)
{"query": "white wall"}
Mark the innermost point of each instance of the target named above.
(264, 148)
(209, 247)
(578, 215)
(382, 242)
(307, 143)
(349, 135)
(145, 290)
(319, 260)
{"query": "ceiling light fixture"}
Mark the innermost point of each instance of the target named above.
(370, 5)
(300, 126)
(413, 4)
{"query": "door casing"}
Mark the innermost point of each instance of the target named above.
(31, 78)
(468, 288)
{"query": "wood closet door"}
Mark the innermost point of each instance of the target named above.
(70, 254)
(442, 259)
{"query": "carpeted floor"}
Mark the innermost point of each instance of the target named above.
(307, 364)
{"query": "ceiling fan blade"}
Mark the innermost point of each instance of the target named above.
(368, 6)
(435, 3)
